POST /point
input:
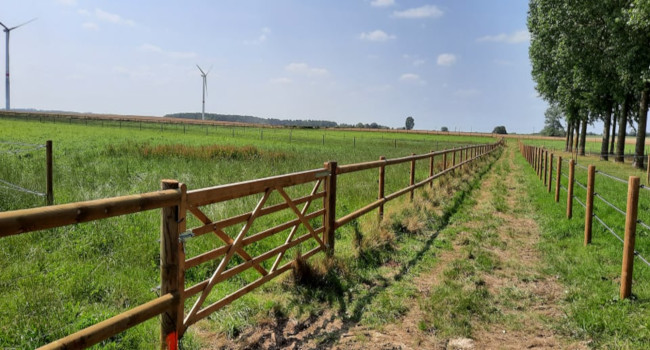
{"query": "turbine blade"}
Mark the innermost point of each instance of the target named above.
(202, 73)
(20, 25)
(209, 70)
(1, 24)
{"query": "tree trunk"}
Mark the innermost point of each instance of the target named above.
(569, 135)
(570, 132)
(607, 120)
(583, 137)
(622, 127)
(577, 137)
(613, 133)
(640, 134)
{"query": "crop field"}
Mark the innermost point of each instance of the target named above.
(55, 282)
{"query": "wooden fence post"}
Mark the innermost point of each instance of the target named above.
(382, 176)
(569, 196)
(545, 166)
(589, 204)
(49, 188)
(453, 158)
(329, 204)
(172, 258)
(558, 179)
(412, 177)
(541, 163)
(444, 161)
(550, 173)
(630, 232)
(431, 161)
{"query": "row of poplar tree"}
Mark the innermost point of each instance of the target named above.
(592, 58)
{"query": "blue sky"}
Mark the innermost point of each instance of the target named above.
(460, 64)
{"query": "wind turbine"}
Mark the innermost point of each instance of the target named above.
(205, 88)
(7, 31)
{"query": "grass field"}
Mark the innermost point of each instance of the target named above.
(591, 274)
(591, 146)
(58, 281)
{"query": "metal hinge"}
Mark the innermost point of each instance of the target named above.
(185, 236)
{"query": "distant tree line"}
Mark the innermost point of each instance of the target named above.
(233, 118)
(591, 61)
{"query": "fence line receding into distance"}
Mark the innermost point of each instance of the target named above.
(178, 205)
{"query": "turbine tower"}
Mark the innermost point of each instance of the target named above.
(205, 88)
(8, 30)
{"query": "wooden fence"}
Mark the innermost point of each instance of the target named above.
(542, 162)
(178, 205)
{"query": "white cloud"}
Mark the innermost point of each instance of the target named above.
(520, 36)
(412, 78)
(466, 93)
(149, 48)
(446, 59)
(418, 62)
(67, 2)
(426, 11)
(382, 3)
(90, 26)
(376, 35)
(305, 69)
(261, 38)
(105, 16)
(281, 81)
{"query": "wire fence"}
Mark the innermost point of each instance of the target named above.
(9, 147)
(18, 148)
(538, 158)
(9, 185)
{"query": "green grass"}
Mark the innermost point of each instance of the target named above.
(591, 147)
(591, 274)
(57, 281)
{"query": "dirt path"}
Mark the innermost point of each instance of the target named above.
(523, 301)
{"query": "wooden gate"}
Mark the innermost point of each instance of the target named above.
(268, 264)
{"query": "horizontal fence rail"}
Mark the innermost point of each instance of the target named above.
(313, 212)
(537, 156)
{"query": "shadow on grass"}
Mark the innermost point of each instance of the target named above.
(329, 288)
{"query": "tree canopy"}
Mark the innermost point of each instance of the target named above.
(500, 130)
(591, 58)
(410, 123)
(553, 121)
